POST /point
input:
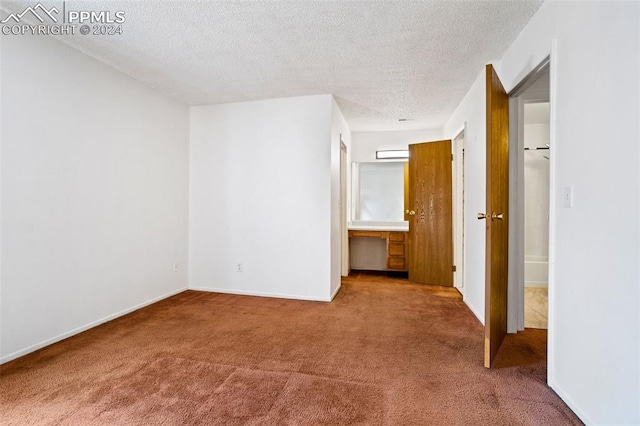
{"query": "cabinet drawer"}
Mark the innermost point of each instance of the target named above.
(396, 263)
(396, 249)
(396, 236)
(367, 234)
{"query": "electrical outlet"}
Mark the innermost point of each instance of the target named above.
(239, 267)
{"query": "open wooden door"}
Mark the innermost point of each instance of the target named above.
(496, 216)
(430, 213)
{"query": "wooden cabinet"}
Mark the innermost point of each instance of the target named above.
(396, 251)
(396, 246)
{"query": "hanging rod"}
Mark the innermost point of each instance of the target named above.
(534, 149)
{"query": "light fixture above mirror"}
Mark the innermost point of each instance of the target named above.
(392, 154)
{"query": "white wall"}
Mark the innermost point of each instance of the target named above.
(94, 194)
(339, 128)
(536, 197)
(261, 190)
(536, 134)
(365, 144)
(594, 279)
(536, 215)
(470, 115)
(594, 286)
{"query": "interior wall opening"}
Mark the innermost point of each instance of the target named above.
(458, 212)
(529, 175)
(536, 214)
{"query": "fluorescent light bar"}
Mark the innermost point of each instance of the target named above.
(392, 154)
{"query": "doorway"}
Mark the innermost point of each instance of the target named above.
(530, 176)
(505, 295)
(344, 233)
(536, 214)
(458, 212)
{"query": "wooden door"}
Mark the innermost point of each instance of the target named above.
(406, 191)
(430, 213)
(497, 240)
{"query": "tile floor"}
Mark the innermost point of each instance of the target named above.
(535, 307)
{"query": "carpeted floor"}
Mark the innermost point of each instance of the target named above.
(384, 352)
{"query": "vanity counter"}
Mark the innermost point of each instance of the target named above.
(379, 226)
(381, 247)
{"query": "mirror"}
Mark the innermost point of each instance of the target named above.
(378, 191)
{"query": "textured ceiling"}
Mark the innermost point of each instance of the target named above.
(383, 60)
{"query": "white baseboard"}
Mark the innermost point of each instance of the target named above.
(85, 327)
(261, 294)
(570, 403)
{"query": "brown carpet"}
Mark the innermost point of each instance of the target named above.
(385, 352)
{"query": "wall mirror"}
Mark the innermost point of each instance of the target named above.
(378, 191)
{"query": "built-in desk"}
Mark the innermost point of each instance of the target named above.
(395, 249)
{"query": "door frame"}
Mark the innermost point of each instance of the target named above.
(517, 101)
(549, 60)
(345, 267)
(515, 316)
(457, 148)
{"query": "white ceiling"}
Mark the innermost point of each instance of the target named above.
(383, 60)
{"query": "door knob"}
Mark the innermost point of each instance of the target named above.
(496, 216)
(406, 212)
(482, 216)
(410, 212)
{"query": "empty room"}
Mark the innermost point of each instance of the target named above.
(319, 212)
